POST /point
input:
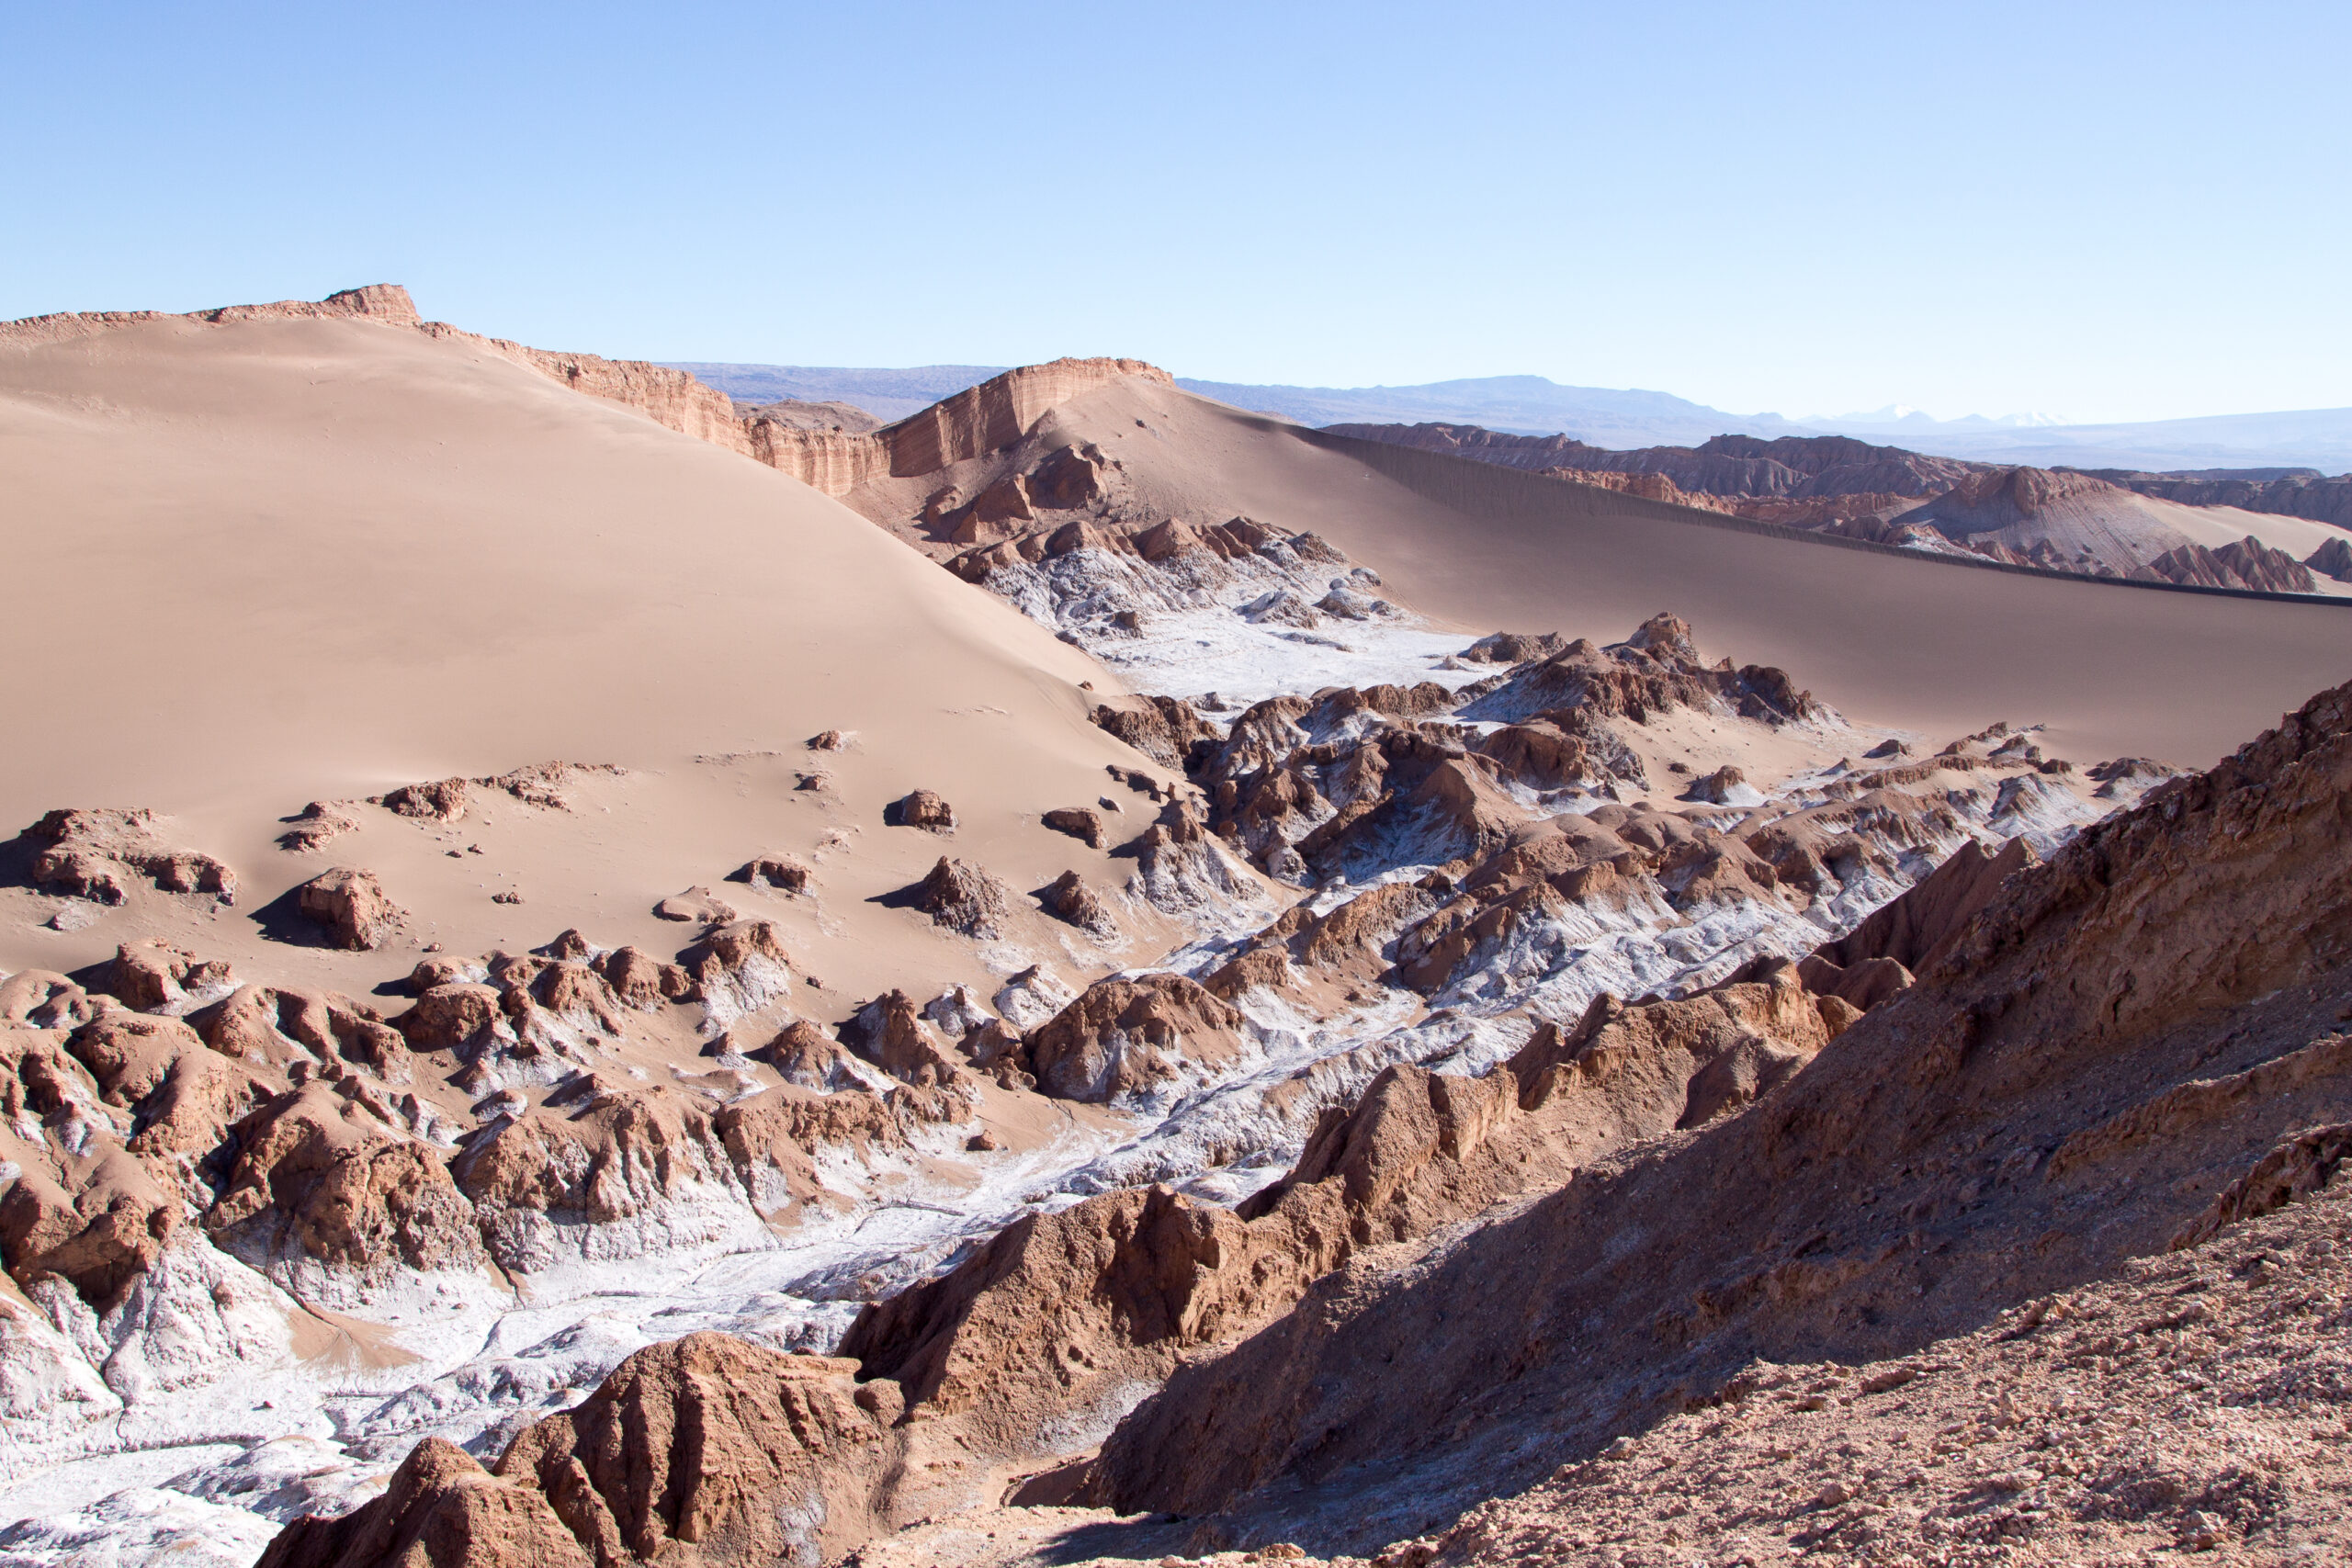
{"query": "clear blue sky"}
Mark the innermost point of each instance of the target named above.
(2109, 211)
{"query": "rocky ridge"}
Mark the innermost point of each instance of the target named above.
(2083, 522)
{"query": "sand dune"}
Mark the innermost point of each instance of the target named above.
(1888, 637)
(274, 562)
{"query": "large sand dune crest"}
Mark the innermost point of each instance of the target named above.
(287, 559)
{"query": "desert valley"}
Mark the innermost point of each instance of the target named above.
(596, 973)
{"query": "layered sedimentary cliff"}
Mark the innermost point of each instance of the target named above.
(981, 419)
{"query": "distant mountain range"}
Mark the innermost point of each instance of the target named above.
(886, 394)
(1531, 405)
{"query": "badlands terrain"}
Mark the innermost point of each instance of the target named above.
(598, 976)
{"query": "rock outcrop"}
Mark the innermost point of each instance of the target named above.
(2248, 563)
(1083, 825)
(922, 808)
(705, 1449)
(351, 908)
(1880, 956)
(94, 854)
(965, 899)
(781, 873)
(2112, 1044)
(315, 826)
(325, 1170)
(386, 302)
(1123, 1037)
(443, 800)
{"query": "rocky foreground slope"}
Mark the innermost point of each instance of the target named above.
(2130, 1050)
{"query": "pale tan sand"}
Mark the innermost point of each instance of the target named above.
(266, 563)
(1887, 638)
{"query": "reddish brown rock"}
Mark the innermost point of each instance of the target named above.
(1880, 956)
(99, 1235)
(2154, 1005)
(964, 899)
(1058, 1311)
(780, 872)
(2332, 558)
(1163, 728)
(315, 824)
(1070, 899)
(737, 968)
(2248, 563)
(351, 907)
(93, 854)
(444, 800)
(150, 975)
(712, 1451)
(695, 904)
(804, 1055)
(441, 1509)
(922, 808)
(1080, 823)
(640, 980)
(44, 999)
(1123, 1036)
(458, 1016)
(890, 1031)
(273, 1027)
(1070, 478)
(321, 1169)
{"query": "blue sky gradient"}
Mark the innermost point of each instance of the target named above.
(2107, 212)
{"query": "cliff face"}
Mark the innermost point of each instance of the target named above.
(1000, 410)
(996, 413)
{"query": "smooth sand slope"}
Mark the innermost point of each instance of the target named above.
(1887, 636)
(269, 562)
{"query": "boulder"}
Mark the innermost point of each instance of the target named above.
(780, 872)
(695, 904)
(351, 907)
(922, 808)
(441, 1509)
(314, 825)
(1079, 822)
(965, 899)
(890, 1031)
(321, 1169)
(1070, 899)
